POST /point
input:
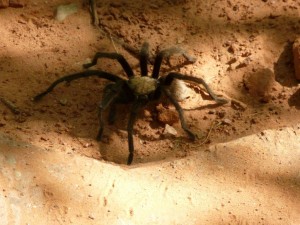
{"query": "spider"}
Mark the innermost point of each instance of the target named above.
(136, 90)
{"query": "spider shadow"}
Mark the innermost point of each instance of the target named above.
(149, 137)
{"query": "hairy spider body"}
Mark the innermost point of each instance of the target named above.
(136, 90)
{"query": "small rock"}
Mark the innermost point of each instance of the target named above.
(296, 54)
(232, 48)
(20, 118)
(147, 115)
(153, 6)
(122, 133)
(221, 114)
(180, 40)
(212, 111)
(243, 63)
(232, 60)
(91, 217)
(166, 116)
(260, 82)
(169, 131)
(253, 121)
(63, 11)
(63, 101)
(227, 121)
(86, 145)
(237, 105)
(43, 138)
(115, 12)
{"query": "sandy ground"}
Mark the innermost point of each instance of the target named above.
(244, 168)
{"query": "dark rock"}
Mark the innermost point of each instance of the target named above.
(296, 53)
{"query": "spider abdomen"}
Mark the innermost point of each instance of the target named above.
(143, 85)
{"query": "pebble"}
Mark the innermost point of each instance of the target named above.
(227, 121)
(63, 101)
(237, 105)
(166, 116)
(170, 131)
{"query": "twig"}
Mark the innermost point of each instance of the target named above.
(113, 43)
(134, 52)
(93, 11)
(213, 125)
(10, 105)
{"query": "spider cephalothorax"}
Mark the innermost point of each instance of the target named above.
(136, 90)
(143, 85)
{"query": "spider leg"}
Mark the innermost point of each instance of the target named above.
(180, 112)
(133, 114)
(112, 55)
(165, 54)
(92, 6)
(144, 55)
(111, 92)
(171, 76)
(112, 113)
(75, 76)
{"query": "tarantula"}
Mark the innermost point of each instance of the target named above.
(136, 90)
